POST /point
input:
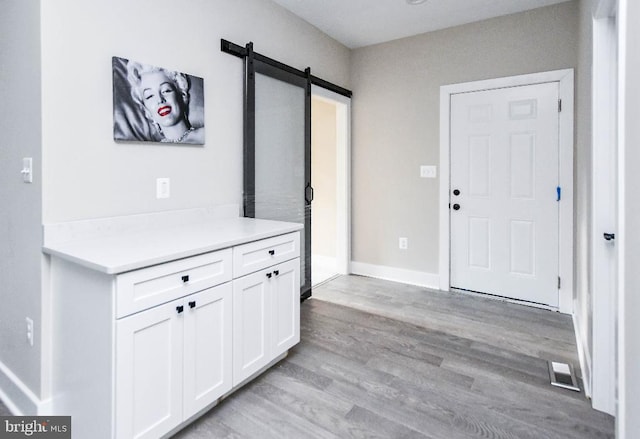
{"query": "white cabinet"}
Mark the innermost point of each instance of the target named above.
(149, 373)
(137, 354)
(285, 307)
(174, 360)
(266, 310)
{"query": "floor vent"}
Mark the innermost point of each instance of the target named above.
(563, 375)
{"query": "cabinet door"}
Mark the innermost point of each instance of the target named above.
(251, 324)
(149, 372)
(207, 347)
(285, 299)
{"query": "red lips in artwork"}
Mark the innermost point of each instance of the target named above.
(164, 110)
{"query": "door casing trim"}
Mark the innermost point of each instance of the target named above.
(565, 81)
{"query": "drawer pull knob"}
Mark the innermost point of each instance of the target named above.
(276, 272)
(269, 275)
(192, 304)
(185, 279)
(272, 252)
(179, 308)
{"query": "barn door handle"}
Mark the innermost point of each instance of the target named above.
(609, 236)
(308, 190)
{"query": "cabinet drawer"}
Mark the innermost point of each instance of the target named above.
(261, 254)
(142, 289)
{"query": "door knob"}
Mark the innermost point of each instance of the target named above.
(456, 192)
(456, 207)
(609, 236)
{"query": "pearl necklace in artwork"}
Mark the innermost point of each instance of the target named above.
(179, 139)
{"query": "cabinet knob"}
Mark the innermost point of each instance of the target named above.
(179, 308)
(192, 304)
(272, 252)
(185, 279)
(276, 272)
(269, 275)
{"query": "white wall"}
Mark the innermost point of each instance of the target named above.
(396, 88)
(583, 312)
(629, 292)
(81, 172)
(86, 173)
(20, 203)
(323, 178)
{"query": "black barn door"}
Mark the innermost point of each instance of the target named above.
(277, 142)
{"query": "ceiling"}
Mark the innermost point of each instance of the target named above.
(358, 23)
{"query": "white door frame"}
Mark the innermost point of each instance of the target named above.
(565, 90)
(343, 174)
(601, 385)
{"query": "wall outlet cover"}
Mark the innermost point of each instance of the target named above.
(163, 188)
(428, 171)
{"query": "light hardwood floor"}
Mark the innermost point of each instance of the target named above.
(384, 360)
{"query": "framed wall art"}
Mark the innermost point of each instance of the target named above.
(154, 104)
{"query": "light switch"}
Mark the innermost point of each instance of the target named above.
(27, 170)
(163, 188)
(428, 171)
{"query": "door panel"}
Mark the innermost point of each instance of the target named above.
(149, 372)
(278, 150)
(504, 221)
(207, 347)
(286, 309)
(251, 333)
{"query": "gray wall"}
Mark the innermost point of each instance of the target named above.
(20, 203)
(396, 89)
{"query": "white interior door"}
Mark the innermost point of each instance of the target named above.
(504, 192)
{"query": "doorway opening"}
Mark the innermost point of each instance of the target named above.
(330, 178)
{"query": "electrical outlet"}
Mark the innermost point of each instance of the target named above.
(163, 188)
(428, 171)
(403, 243)
(30, 331)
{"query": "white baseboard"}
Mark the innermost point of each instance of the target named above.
(583, 357)
(18, 398)
(411, 277)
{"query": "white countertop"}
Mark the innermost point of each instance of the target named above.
(126, 251)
